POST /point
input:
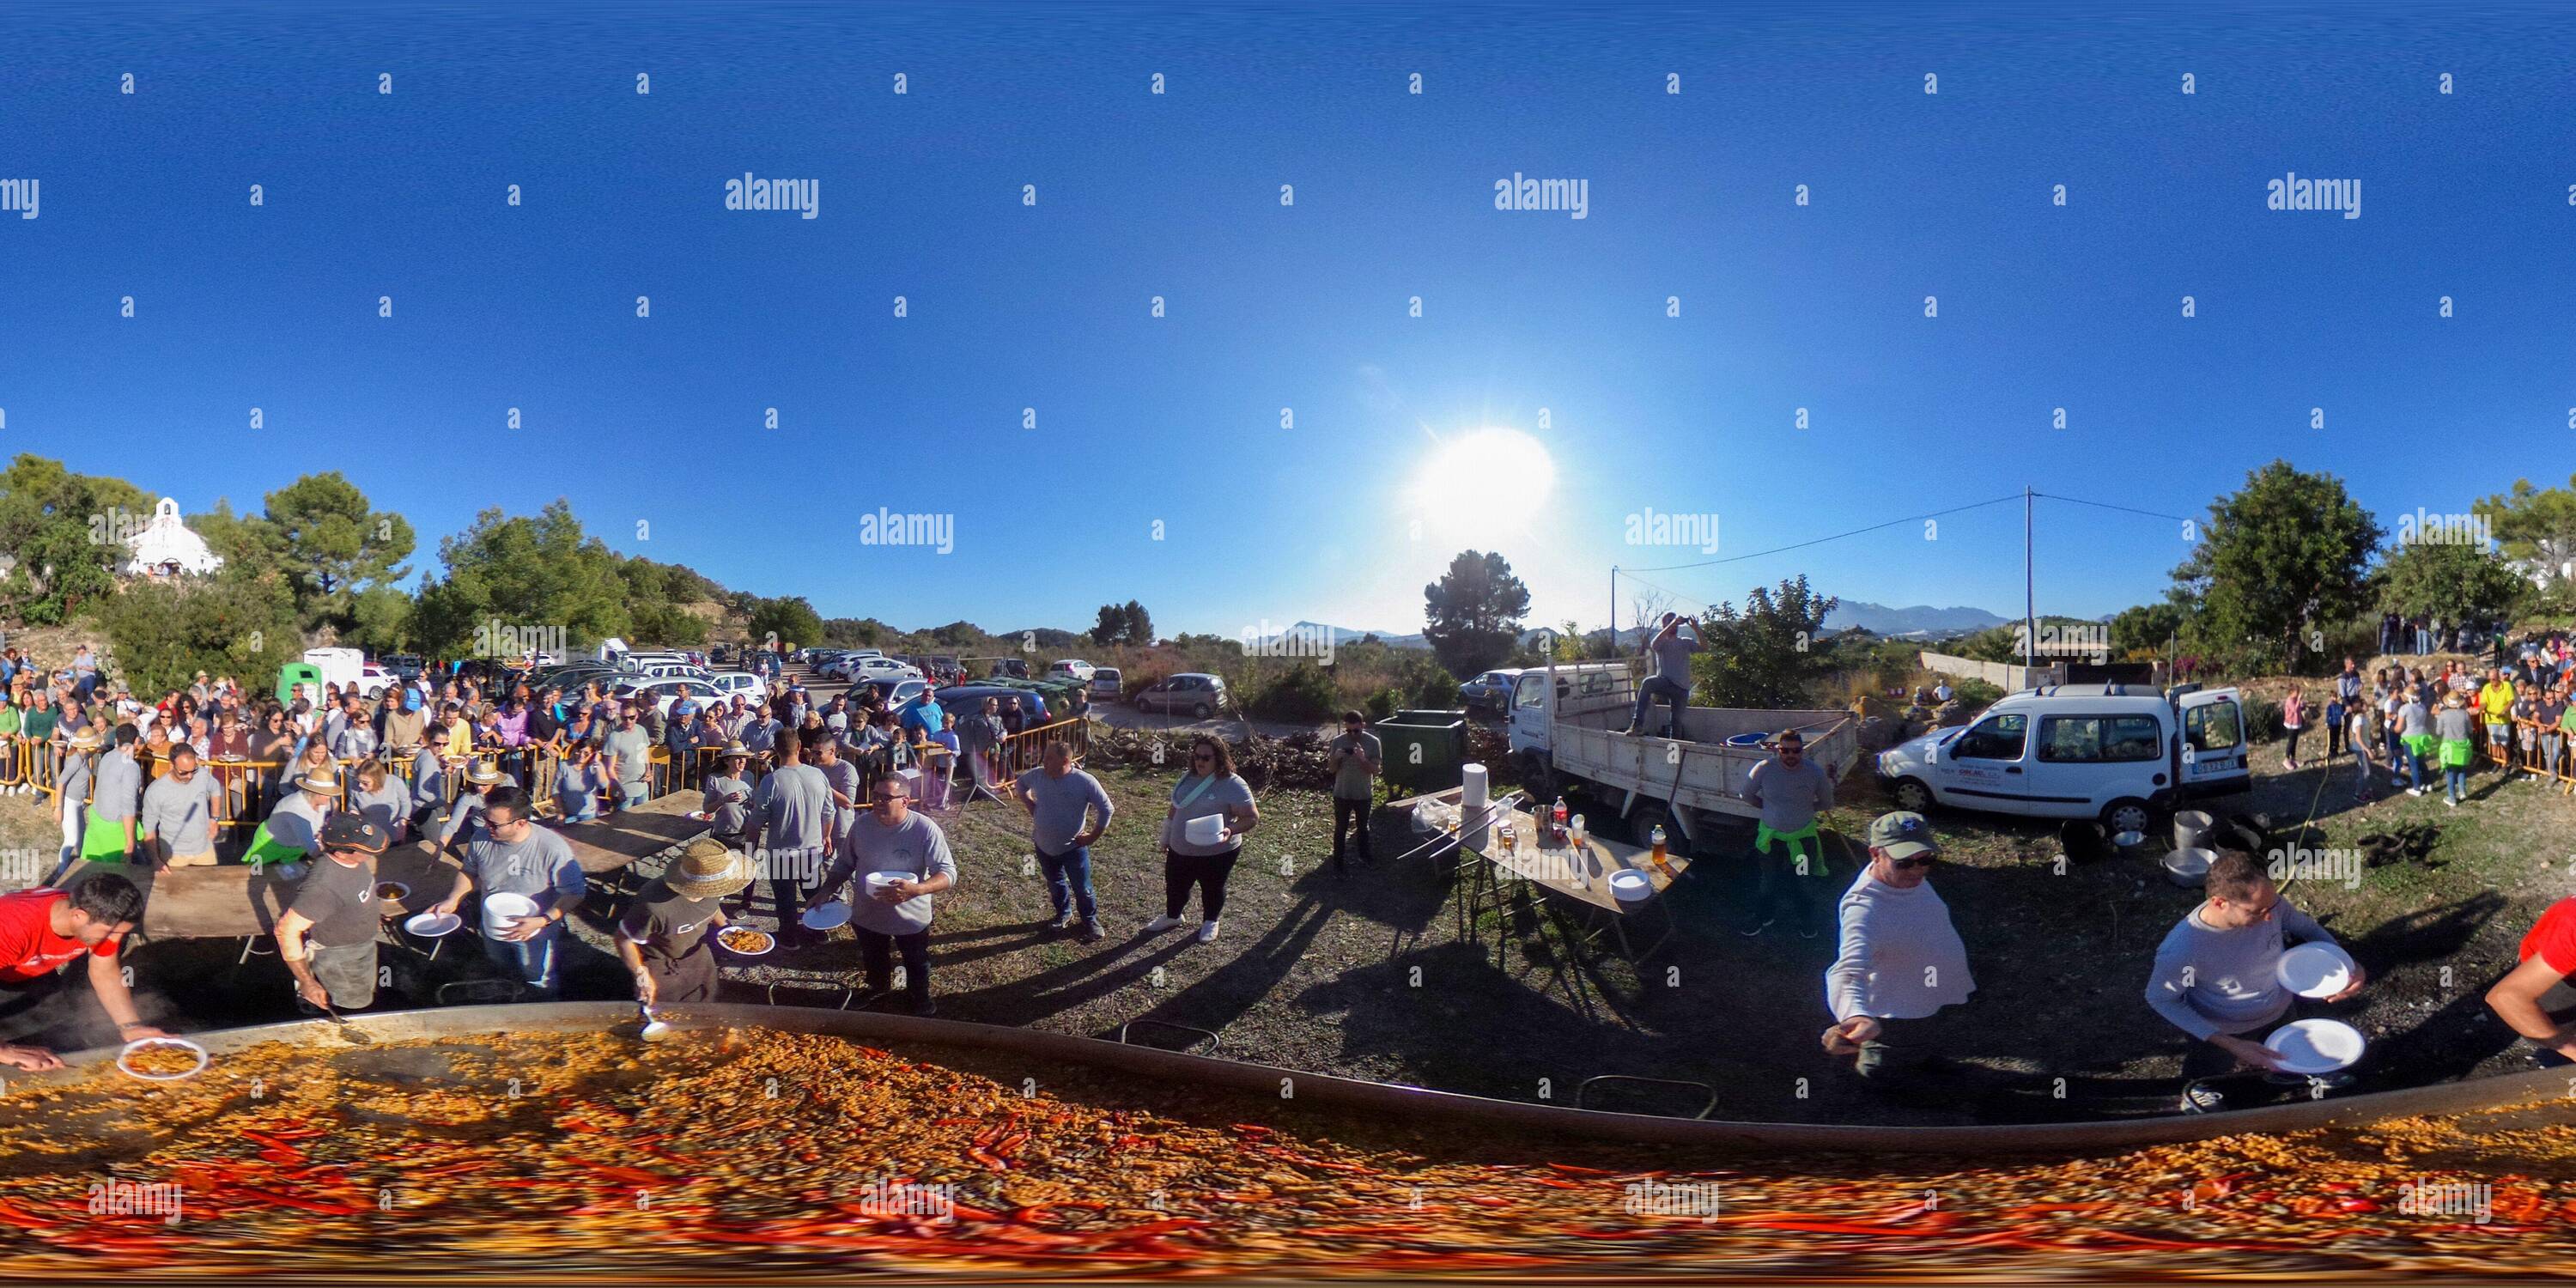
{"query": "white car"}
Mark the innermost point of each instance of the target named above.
(877, 666)
(1071, 668)
(2115, 752)
(663, 693)
(729, 683)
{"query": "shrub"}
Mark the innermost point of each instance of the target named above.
(1979, 693)
(1304, 692)
(1383, 703)
(2263, 718)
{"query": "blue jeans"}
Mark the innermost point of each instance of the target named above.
(1068, 877)
(2455, 781)
(1670, 691)
(532, 961)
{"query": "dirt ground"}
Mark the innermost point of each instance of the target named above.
(1373, 973)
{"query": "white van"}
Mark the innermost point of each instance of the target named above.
(2115, 752)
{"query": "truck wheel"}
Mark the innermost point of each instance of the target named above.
(1912, 796)
(2127, 814)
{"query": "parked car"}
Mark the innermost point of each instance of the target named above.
(965, 699)
(1490, 692)
(665, 691)
(1106, 684)
(1011, 667)
(405, 666)
(895, 693)
(1193, 693)
(2116, 752)
(729, 683)
(1071, 668)
(877, 666)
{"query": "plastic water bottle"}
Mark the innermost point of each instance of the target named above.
(1655, 840)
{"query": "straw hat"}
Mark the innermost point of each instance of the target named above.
(734, 751)
(2454, 699)
(325, 780)
(87, 739)
(485, 774)
(707, 869)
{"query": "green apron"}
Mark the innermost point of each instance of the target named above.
(103, 840)
(2455, 753)
(1813, 851)
(265, 849)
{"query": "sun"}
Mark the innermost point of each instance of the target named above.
(1482, 485)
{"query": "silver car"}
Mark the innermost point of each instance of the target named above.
(1192, 693)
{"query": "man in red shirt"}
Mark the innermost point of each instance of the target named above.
(2534, 997)
(43, 929)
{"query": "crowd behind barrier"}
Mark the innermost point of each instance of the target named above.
(252, 788)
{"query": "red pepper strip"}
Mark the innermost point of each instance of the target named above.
(2035, 1208)
(1161, 1227)
(283, 1157)
(1487, 1200)
(312, 1205)
(978, 1155)
(279, 1135)
(1554, 1184)
(1252, 1129)
(964, 1213)
(1011, 1144)
(1571, 1170)
(634, 1176)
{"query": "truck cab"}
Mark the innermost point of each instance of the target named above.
(2115, 752)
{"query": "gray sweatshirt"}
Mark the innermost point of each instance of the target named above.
(1901, 958)
(2208, 981)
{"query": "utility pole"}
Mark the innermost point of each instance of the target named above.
(2029, 602)
(1613, 650)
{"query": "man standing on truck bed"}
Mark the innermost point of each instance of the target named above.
(1672, 679)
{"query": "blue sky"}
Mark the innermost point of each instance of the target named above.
(1525, 315)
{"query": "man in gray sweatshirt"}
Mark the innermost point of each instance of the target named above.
(1901, 961)
(2217, 974)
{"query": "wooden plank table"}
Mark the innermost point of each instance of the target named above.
(1578, 878)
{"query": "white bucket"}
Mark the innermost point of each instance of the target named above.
(1474, 796)
(500, 909)
(1207, 830)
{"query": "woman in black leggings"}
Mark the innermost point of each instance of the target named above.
(1209, 790)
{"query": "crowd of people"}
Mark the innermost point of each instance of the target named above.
(2517, 718)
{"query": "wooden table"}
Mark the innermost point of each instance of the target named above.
(1577, 878)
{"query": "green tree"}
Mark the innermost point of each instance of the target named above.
(2150, 627)
(1472, 615)
(522, 572)
(239, 622)
(2279, 560)
(2455, 582)
(2537, 526)
(1768, 655)
(1111, 626)
(65, 533)
(332, 546)
(1139, 624)
(790, 620)
(380, 619)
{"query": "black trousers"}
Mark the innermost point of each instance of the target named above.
(1205, 871)
(1346, 814)
(876, 953)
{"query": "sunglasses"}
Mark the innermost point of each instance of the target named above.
(1918, 861)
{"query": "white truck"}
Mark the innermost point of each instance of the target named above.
(1565, 732)
(350, 669)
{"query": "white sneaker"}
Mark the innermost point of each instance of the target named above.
(1207, 932)
(1160, 924)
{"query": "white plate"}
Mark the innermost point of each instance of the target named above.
(826, 916)
(738, 952)
(2316, 1046)
(431, 925)
(140, 1043)
(2315, 969)
(700, 816)
(1630, 885)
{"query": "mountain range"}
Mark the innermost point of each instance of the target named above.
(1919, 620)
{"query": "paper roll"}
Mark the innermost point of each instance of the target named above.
(1473, 798)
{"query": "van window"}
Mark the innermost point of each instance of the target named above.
(1531, 693)
(2213, 727)
(2098, 739)
(1995, 738)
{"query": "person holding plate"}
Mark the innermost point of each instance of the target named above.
(896, 841)
(515, 856)
(663, 936)
(2217, 976)
(1203, 835)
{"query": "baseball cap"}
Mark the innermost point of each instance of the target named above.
(347, 831)
(1902, 834)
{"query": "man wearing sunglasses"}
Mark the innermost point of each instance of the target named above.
(1901, 961)
(2217, 975)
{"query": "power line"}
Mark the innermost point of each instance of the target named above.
(1758, 554)
(2105, 505)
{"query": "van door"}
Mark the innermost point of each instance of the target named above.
(1986, 767)
(2210, 749)
(1527, 702)
(2084, 761)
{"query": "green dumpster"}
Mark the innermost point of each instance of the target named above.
(1424, 748)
